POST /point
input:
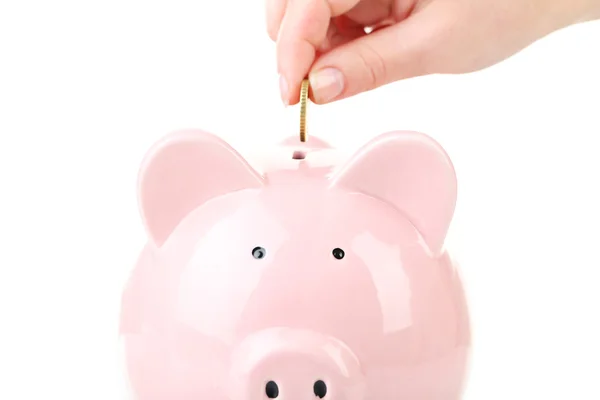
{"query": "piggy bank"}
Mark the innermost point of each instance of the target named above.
(299, 275)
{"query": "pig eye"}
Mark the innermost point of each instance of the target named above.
(320, 389)
(338, 253)
(259, 252)
(272, 390)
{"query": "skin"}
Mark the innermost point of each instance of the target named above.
(327, 40)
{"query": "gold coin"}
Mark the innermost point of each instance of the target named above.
(303, 104)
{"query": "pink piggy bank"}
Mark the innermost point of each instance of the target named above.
(302, 279)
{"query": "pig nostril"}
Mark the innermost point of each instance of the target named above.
(320, 389)
(299, 155)
(272, 390)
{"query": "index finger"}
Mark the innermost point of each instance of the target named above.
(303, 30)
(275, 10)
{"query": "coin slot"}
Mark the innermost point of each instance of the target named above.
(299, 155)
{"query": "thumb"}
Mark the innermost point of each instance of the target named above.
(384, 56)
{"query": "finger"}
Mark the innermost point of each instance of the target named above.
(275, 10)
(303, 29)
(370, 12)
(381, 25)
(341, 30)
(396, 52)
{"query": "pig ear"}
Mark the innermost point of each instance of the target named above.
(183, 171)
(410, 171)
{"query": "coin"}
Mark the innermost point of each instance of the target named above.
(303, 104)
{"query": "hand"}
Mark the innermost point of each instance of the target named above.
(326, 39)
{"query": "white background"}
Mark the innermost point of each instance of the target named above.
(87, 87)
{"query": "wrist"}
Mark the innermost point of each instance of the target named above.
(581, 10)
(552, 15)
(592, 10)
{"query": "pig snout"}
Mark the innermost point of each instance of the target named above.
(290, 364)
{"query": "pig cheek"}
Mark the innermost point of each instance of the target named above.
(208, 298)
(212, 296)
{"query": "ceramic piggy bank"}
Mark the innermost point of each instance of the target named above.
(297, 276)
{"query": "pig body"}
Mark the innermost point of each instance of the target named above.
(309, 279)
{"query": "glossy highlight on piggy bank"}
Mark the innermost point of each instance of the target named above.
(298, 276)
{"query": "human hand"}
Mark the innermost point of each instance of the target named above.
(326, 39)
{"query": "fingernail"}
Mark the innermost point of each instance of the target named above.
(326, 84)
(283, 88)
